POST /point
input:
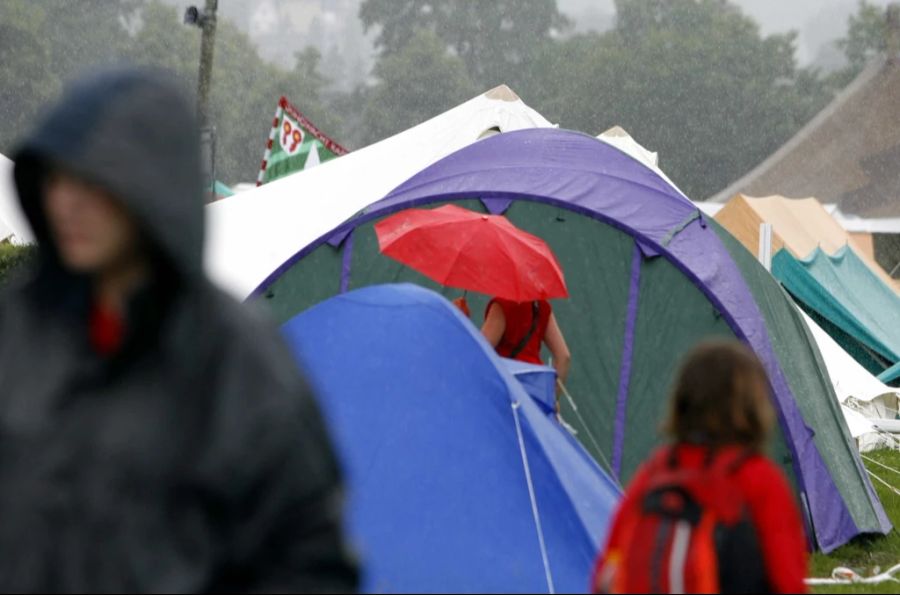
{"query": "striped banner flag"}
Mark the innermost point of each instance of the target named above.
(294, 144)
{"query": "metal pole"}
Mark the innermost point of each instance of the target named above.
(207, 24)
(894, 270)
(207, 43)
(893, 33)
(765, 245)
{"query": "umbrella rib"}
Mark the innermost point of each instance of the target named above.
(453, 262)
(539, 252)
(507, 241)
(445, 273)
(466, 240)
(471, 237)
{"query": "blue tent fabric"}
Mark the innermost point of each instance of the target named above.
(431, 434)
(540, 384)
(538, 381)
(844, 290)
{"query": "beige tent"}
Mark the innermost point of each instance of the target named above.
(800, 225)
(865, 242)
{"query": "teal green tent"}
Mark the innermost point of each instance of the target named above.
(858, 309)
(648, 277)
(221, 189)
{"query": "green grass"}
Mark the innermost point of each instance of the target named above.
(866, 553)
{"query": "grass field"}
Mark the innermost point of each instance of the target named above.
(865, 554)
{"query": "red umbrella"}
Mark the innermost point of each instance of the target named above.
(485, 253)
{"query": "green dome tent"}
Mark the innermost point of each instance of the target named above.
(648, 276)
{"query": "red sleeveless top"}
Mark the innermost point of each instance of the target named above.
(518, 317)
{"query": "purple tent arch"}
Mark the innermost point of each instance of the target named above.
(577, 172)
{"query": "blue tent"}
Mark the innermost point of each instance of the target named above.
(538, 381)
(458, 480)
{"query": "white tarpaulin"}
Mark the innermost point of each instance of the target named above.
(13, 225)
(857, 423)
(249, 235)
(856, 388)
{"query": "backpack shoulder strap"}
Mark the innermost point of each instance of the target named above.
(535, 315)
(730, 461)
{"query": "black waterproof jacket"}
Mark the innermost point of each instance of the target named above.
(195, 458)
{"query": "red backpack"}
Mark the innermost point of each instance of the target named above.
(688, 531)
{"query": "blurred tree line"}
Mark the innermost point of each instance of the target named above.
(44, 44)
(694, 80)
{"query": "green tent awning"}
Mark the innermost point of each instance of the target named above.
(844, 291)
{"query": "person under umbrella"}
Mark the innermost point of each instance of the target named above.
(517, 330)
(486, 253)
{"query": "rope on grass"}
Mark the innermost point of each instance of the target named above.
(871, 460)
(889, 486)
(847, 576)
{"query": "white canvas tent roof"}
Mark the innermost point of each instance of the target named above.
(857, 224)
(251, 234)
(857, 423)
(13, 225)
(849, 378)
(864, 399)
(710, 209)
(622, 140)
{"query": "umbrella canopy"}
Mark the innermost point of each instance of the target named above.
(457, 480)
(485, 253)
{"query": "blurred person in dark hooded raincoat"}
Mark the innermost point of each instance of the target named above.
(155, 435)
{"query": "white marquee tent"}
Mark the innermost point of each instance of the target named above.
(251, 234)
(13, 225)
(857, 390)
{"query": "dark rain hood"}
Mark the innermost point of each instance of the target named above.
(132, 132)
(194, 458)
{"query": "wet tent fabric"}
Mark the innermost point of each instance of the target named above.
(457, 480)
(807, 373)
(843, 290)
(538, 381)
(857, 390)
(648, 277)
